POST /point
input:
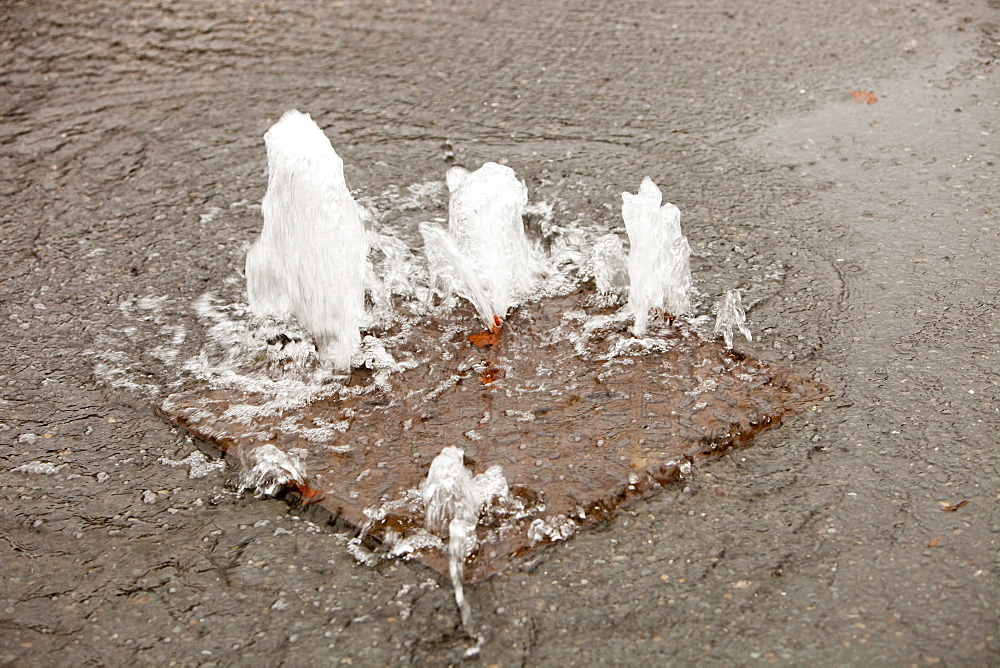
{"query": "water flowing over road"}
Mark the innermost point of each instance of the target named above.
(861, 230)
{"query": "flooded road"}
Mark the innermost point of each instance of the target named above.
(863, 236)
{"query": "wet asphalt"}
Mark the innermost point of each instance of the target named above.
(863, 236)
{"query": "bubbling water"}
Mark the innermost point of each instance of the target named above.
(453, 500)
(310, 259)
(658, 260)
(484, 256)
(310, 263)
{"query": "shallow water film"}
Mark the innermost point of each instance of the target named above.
(834, 162)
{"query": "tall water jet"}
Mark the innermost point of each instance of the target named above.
(485, 255)
(729, 314)
(659, 255)
(310, 258)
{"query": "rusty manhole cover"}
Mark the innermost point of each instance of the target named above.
(577, 432)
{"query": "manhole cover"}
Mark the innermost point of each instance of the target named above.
(578, 432)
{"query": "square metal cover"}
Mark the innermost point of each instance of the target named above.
(577, 432)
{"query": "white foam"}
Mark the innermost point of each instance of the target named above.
(39, 468)
(658, 261)
(199, 466)
(555, 528)
(310, 260)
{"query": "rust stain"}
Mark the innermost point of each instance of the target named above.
(864, 96)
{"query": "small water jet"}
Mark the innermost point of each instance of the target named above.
(310, 258)
(453, 501)
(484, 256)
(267, 468)
(658, 260)
(729, 314)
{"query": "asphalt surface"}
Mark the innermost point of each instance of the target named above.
(864, 237)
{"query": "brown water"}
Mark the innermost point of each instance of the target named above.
(577, 432)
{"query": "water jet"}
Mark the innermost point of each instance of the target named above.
(310, 259)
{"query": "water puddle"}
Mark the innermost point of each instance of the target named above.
(355, 381)
(577, 435)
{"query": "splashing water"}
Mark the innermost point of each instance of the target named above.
(658, 261)
(452, 272)
(451, 504)
(310, 259)
(453, 500)
(730, 314)
(267, 468)
(484, 256)
(608, 263)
